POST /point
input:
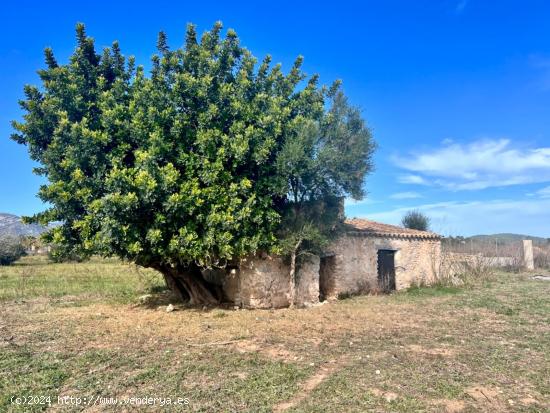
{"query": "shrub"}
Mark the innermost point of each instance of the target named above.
(11, 249)
(542, 258)
(416, 220)
(479, 268)
(454, 269)
(60, 254)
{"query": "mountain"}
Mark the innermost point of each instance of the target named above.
(11, 225)
(507, 238)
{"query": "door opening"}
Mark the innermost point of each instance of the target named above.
(386, 270)
(326, 277)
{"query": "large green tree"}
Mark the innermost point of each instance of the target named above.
(191, 167)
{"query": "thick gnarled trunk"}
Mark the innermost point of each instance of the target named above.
(190, 286)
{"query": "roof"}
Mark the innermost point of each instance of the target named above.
(365, 227)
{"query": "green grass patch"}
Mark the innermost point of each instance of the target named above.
(432, 291)
(24, 373)
(109, 280)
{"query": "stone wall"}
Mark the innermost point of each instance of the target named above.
(263, 282)
(349, 267)
(352, 267)
(462, 261)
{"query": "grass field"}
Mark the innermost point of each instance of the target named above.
(80, 330)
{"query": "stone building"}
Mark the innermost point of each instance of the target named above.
(366, 257)
(372, 257)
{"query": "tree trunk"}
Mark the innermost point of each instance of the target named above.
(190, 286)
(292, 286)
(175, 286)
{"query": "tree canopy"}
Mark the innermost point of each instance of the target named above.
(193, 166)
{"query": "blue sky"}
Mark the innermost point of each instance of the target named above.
(457, 92)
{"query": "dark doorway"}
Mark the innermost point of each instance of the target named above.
(326, 277)
(386, 270)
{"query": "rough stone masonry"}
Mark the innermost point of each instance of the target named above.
(349, 266)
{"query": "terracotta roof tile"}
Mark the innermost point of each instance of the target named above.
(371, 228)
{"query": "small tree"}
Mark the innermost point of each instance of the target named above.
(416, 220)
(324, 158)
(11, 249)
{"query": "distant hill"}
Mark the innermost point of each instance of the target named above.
(11, 225)
(507, 238)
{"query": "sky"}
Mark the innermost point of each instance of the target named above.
(456, 92)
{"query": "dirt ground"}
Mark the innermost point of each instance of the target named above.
(481, 349)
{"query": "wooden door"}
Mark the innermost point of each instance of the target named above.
(386, 270)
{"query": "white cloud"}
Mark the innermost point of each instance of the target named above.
(477, 165)
(530, 216)
(544, 192)
(412, 179)
(406, 195)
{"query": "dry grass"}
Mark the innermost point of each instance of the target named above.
(486, 348)
(97, 279)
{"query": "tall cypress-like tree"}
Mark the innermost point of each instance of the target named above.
(194, 166)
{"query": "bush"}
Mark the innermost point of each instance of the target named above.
(11, 249)
(60, 254)
(542, 258)
(456, 269)
(416, 220)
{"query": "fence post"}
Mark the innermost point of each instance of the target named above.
(528, 260)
